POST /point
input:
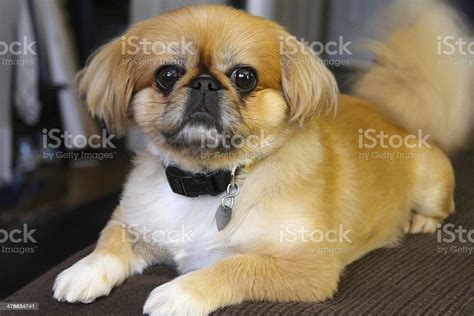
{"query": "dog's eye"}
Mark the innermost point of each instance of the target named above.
(166, 77)
(245, 78)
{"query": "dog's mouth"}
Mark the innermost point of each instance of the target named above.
(203, 129)
(198, 132)
(194, 124)
(202, 119)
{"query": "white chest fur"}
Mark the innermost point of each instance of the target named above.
(174, 228)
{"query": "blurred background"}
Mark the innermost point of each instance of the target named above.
(57, 193)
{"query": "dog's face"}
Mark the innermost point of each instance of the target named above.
(210, 86)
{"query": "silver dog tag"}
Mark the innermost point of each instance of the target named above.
(223, 216)
(224, 211)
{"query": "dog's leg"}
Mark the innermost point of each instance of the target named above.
(112, 261)
(309, 278)
(433, 193)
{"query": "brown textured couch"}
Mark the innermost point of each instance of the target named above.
(413, 278)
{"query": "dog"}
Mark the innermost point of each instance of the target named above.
(280, 217)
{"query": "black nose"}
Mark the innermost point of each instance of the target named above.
(205, 83)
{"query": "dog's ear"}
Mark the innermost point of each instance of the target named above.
(308, 86)
(106, 86)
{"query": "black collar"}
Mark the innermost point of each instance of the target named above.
(192, 185)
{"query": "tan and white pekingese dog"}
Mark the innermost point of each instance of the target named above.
(318, 169)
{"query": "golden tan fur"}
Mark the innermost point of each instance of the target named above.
(368, 196)
(308, 86)
(433, 84)
(314, 173)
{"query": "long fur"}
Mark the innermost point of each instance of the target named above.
(411, 80)
(306, 180)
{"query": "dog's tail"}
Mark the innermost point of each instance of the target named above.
(420, 77)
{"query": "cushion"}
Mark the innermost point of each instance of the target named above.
(423, 274)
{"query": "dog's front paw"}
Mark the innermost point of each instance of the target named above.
(172, 298)
(88, 279)
(422, 224)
